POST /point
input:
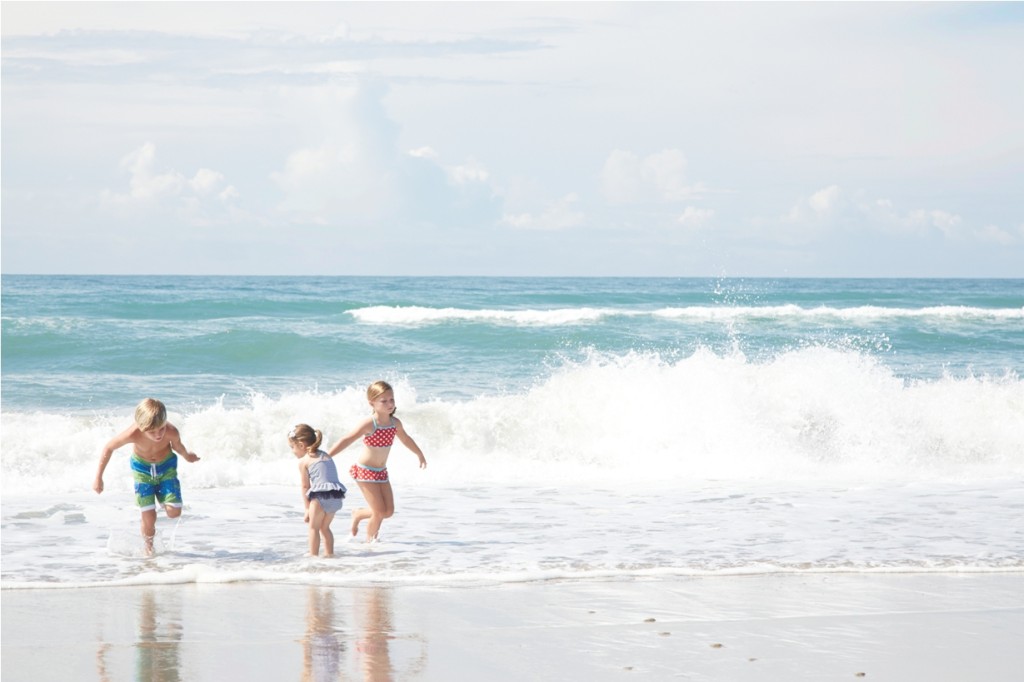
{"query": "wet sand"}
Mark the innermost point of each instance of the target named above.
(935, 627)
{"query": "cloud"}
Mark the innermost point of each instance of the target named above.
(206, 181)
(467, 173)
(695, 218)
(834, 208)
(883, 214)
(997, 235)
(944, 221)
(149, 188)
(819, 206)
(628, 178)
(357, 174)
(423, 153)
(558, 215)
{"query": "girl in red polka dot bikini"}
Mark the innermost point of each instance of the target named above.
(370, 470)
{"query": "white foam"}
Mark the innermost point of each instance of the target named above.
(445, 535)
(411, 315)
(419, 315)
(804, 414)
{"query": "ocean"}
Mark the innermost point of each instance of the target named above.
(574, 428)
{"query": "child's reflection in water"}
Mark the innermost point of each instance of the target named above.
(158, 648)
(376, 633)
(324, 644)
(158, 653)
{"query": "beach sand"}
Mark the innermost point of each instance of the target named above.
(934, 627)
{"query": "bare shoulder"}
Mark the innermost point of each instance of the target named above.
(130, 435)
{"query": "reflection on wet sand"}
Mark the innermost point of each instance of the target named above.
(158, 648)
(378, 639)
(324, 644)
(157, 653)
(376, 633)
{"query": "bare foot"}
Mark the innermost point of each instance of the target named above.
(355, 523)
(147, 548)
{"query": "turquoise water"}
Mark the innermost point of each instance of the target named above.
(573, 427)
(96, 343)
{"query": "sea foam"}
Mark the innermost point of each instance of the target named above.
(805, 413)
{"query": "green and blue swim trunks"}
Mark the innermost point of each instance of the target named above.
(156, 482)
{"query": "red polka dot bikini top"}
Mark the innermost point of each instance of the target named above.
(380, 437)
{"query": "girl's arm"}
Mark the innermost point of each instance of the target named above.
(352, 437)
(305, 484)
(408, 442)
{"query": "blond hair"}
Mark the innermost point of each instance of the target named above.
(378, 388)
(150, 414)
(307, 436)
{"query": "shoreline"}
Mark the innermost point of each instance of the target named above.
(759, 627)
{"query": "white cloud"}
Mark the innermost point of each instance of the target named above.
(305, 165)
(345, 99)
(423, 153)
(832, 207)
(825, 200)
(944, 221)
(206, 181)
(170, 191)
(997, 235)
(322, 182)
(695, 218)
(147, 186)
(558, 215)
(816, 208)
(661, 177)
(358, 174)
(229, 194)
(883, 214)
(468, 173)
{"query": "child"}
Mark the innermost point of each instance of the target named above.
(370, 470)
(154, 465)
(322, 492)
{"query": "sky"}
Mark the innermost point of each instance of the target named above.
(669, 139)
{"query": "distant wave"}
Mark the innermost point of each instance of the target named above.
(421, 315)
(416, 315)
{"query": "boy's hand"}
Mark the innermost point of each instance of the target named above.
(191, 457)
(97, 485)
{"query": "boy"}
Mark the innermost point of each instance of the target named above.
(154, 464)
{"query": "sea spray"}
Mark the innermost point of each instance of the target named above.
(806, 413)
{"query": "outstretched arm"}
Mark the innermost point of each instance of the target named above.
(408, 442)
(120, 440)
(352, 437)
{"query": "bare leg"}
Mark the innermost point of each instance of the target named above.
(382, 506)
(327, 534)
(358, 516)
(148, 530)
(316, 517)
